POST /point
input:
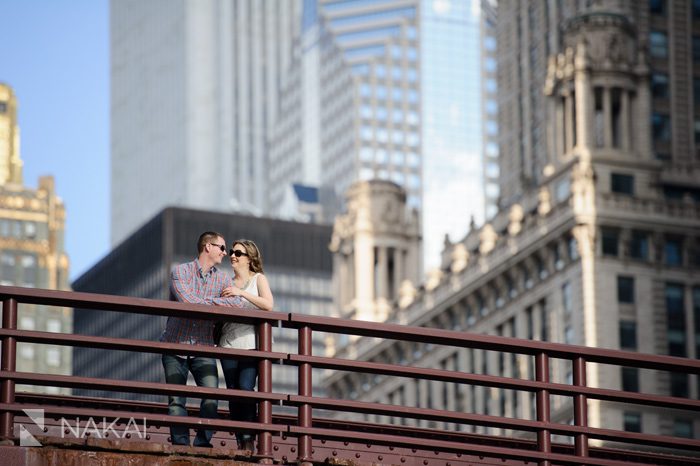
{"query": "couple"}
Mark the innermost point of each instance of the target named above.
(201, 282)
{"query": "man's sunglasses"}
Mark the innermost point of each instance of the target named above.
(220, 246)
(236, 253)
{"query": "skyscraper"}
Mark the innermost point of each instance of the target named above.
(32, 253)
(386, 90)
(194, 96)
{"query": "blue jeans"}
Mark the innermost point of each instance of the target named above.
(241, 375)
(205, 374)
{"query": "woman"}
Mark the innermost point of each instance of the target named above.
(249, 283)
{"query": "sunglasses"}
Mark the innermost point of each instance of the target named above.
(220, 246)
(236, 253)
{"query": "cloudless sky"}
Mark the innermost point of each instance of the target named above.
(55, 55)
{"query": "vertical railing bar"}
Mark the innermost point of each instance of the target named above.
(305, 389)
(580, 407)
(8, 362)
(544, 436)
(265, 385)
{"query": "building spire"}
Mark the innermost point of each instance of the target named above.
(10, 162)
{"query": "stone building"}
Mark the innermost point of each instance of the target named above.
(32, 253)
(601, 248)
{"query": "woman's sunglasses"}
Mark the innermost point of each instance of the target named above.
(236, 253)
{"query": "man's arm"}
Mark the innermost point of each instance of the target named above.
(182, 287)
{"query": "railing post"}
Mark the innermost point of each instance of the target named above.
(8, 363)
(580, 407)
(305, 389)
(265, 386)
(544, 436)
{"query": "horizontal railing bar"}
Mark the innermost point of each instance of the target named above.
(416, 413)
(155, 419)
(105, 302)
(494, 421)
(493, 343)
(444, 445)
(131, 386)
(443, 375)
(126, 344)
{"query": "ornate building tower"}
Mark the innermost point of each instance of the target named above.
(32, 254)
(10, 163)
(376, 249)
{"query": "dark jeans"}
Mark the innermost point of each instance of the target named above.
(241, 375)
(205, 374)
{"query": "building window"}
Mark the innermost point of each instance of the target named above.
(27, 323)
(657, 7)
(639, 245)
(53, 357)
(673, 252)
(622, 184)
(660, 127)
(696, 9)
(683, 428)
(696, 128)
(610, 241)
(566, 297)
(696, 49)
(628, 335)
(679, 384)
(630, 379)
(675, 317)
(53, 325)
(632, 422)
(658, 44)
(625, 290)
(659, 86)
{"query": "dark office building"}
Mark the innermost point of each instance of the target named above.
(297, 263)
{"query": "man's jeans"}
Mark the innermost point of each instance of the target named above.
(241, 375)
(205, 374)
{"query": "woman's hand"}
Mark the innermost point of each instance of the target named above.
(230, 292)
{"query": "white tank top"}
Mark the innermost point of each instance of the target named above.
(238, 335)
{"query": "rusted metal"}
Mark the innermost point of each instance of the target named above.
(265, 386)
(305, 384)
(580, 407)
(8, 363)
(493, 343)
(496, 381)
(544, 437)
(308, 438)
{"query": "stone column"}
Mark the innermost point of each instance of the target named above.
(568, 122)
(607, 117)
(625, 119)
(399, 273)
(382, 273)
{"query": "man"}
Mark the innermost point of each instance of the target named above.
(199, 282)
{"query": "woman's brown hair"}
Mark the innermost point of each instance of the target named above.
(254, 255)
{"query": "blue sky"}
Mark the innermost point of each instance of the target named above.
(55, 54)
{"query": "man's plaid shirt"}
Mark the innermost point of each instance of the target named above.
(189, 285)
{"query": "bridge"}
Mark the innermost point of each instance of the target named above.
(44, 429)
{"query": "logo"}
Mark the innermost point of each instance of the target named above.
(26, 439)
(77, 429)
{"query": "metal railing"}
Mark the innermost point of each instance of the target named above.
(309, 430)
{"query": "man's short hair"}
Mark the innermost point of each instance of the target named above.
(206, 238)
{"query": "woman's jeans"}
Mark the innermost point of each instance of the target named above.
(241, 375)
(205, 374)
